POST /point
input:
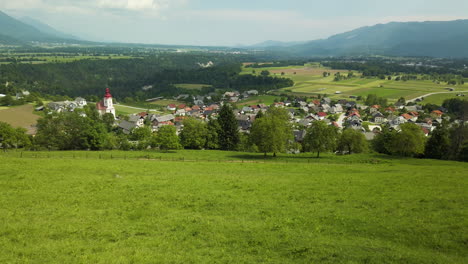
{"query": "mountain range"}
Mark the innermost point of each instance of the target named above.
(431, 38)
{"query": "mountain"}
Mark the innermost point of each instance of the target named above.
(44, 28)
(273, 43)
(13, 31)
(432, 38)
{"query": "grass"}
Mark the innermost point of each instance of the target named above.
(192, 86)
(438, 99)
(309, 81)
(260, 99)
(20, 116)
(40, 58)
(73, 210)
(166, 102)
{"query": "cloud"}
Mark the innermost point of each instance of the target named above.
(154, 7)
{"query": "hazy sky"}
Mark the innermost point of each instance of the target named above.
(225, 22)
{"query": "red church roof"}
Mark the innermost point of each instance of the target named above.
(108, 95)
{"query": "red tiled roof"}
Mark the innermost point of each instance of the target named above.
(414, 113)
(108, 95)
(181, 106)
(143, 114)
(425, 130)
(100, 106)
(195, 107)
(171, 105)
(437, 112)
(375, 106)
(322, 114)
(407, 116)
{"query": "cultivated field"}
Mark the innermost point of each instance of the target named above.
(20, 116)
(192, 86)
(310, 81)
(147, 207)
(40, 58)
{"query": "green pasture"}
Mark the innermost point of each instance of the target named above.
(309, 81)
(192, 86)
(39, 58)
(260, 99)
(230, 207)
(438, 99)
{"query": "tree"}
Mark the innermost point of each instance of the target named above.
(264, 73)
(228, 135)
(382, 141)
(7, 100)
(409, 141)
(212, 137)
(167, 138)
(272, 132)
(438, 145)
(7, 135)
(193, 136)
(352, 141)
(320, 137)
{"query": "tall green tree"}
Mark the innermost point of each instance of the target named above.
(438, 145)
(193, 136)
(229, 129)
(320, 137)
(352, 141)
(212, 137)
(410, 141)
(272, 132)
(167, 138)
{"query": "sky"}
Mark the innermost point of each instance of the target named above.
(225, 22)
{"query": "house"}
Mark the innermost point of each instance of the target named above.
(171, 107)
(321, 115)
(409, 118)
(374, 108)
(252, 92)
(161, 119)
(234, 99)
(390, 110)
(336, 109)
(80, 102)
(106, 106)
(350, 104)
(246, 109)
(138, 120)
(127, 126)
(299, 135)
(378, 117)
(326, 108)
(326, 100)
(436, 114)
(181, 106)
(180, 112)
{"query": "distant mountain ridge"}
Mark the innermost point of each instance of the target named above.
(16, 32)
(44, 28)
(431, 38)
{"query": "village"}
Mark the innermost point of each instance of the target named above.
(367, 119)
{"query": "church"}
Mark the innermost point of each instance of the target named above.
(106, 105)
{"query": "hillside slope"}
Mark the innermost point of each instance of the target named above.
(433, 38)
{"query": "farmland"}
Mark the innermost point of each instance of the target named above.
(142, 207)
(40, 58)
(309, 81)
(19, 116)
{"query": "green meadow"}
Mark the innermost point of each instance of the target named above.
(310, 81)
(438, 99)
(230, 207)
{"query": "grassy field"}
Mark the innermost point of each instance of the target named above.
(40, 58)
(438, 99)
(192, 86)
(261, 99)
(166, 102)
(72, 207)
(20, 116)
(310, 81)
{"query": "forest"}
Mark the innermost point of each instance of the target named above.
(126, 77)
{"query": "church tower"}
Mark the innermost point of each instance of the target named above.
(106, 105)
